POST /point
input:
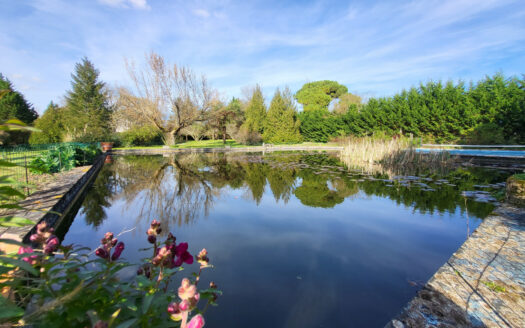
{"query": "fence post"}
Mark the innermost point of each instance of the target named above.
(27, 176)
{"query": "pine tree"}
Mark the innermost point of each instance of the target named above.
(255, 111)
(88, 111)
(282, 125)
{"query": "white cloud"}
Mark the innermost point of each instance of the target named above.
(139, 4)
(201, 13)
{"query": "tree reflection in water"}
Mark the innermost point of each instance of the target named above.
(179, 188)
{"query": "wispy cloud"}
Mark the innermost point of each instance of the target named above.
(375, 48)
(140, 4)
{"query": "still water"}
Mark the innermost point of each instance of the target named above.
(297, 240)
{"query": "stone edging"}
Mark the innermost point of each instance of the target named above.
(483, 282)
(145, 151)
(60, 209)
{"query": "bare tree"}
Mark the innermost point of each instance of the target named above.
(170, 98)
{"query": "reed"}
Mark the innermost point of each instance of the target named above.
(394, 154)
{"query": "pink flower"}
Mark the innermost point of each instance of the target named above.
(28, 250)
(187, 290)
(118, 250)
(184, 305)
(196, 322)
(203, 259)
(51, 244)
(183, 256)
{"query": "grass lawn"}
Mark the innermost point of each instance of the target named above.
(219, 144)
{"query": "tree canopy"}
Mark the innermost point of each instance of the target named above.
(51, 126)
(318, 95)
(255, 111)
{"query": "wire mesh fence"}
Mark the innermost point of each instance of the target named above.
(24, 155)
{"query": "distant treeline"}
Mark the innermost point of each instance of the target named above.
(491, 111)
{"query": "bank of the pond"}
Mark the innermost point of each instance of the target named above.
(481, 285)
(52, 202)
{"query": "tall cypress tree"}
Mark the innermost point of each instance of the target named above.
(255, 111)
(88, 111)
(282, 125)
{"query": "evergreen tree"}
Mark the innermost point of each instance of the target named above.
(282, 125)
(13, 105)
(51, 126)
(88, 111)
(255, 112)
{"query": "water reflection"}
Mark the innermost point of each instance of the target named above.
(180, 188)
(297, 240)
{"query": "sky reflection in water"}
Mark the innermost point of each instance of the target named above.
(296, 239)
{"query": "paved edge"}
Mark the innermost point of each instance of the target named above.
(224, 149)
(53, 203)
(483, 282)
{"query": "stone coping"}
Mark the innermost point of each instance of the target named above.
(52, 203)
(267, 148)
(483, 282)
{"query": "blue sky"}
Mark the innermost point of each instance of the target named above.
(375, 48)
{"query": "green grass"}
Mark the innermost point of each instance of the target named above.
(493, 286)
(219, 144)
(520, 176)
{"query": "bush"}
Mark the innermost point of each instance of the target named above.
(141, 136)
(64, 158)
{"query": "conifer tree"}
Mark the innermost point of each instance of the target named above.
(255, 111)
(282, 125)
(14, 105)
(88, 111)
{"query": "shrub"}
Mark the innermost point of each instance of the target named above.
(141, 136)
(247, 137)
(64, 158)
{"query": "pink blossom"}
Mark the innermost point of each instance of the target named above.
(183, 256)
(28, 250)
(51, 244)
(100, 252)
(187, 290)
(196, 322)
(203, 259)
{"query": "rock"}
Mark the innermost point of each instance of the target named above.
(516, 190)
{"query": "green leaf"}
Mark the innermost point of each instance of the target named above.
(18, 263)
(127, 323)
(14, 221)
(146, 303)
(9, 310)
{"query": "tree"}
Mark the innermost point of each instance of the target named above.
(282, 125)
(13, 105)
(221, 116)
(255, 111)
(88, 110)
(51, 126)
(169, 97)
(345, 101)
(318, 95)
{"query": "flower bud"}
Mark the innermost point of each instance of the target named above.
(118, 250)
(184, 305)
(100, 252)
(152, 239)
(196, 322)
(173, 308)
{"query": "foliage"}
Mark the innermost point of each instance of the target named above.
(13, 105)
(345, 102)
(51, 126)
(88, 111)
(247, 137)
(63, 286)
(320, 125)
(318, 95)
(282, 125)
(140, 136)
(64, 158)
(491, 111)
(255, 113)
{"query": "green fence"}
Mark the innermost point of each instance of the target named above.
(22, 155)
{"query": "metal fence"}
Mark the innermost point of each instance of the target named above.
(23, 155)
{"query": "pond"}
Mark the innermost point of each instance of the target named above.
(297, 239)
